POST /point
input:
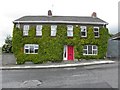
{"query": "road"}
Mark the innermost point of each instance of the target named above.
(97, 76)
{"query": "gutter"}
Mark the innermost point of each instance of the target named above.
(70, 22)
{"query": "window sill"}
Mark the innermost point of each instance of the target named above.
(30, 53)
(89, 54)
(97, 37)
(38, 35)
(53, 36)
(69, 36)
(84, 36)
(25, 35)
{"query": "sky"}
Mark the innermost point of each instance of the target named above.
(11, 10)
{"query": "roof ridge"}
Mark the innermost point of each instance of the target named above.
(54, 16)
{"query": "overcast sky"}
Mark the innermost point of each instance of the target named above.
(14, 9)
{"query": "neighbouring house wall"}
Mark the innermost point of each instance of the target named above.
(51, 48)
(113, 49)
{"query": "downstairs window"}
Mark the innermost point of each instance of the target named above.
(31, 48)
(90, 50)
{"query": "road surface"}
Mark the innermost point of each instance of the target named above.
(96, 76)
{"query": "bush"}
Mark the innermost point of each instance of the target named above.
(7, 47)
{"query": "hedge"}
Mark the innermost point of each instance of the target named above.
(51, 48)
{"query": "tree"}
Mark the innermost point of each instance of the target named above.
(7, 47)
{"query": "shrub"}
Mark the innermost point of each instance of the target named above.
(7, 47)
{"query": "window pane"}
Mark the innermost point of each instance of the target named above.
(32, 49)
(94, 51)
(96, 33)
(85, 47)
(70, 33)
(65, 53)
(39, 33)
(95, 29)
(94, 47)
(36, 50)
(83, 28)
(70, 27)
(53, 32)
(53, 27)
(18, 25)
(36, 46)
(83, 34)
(26, 27)
(26, 50)
(89, 49)
(25, 32)
(39, 27)
(84, 51)
(26, 46)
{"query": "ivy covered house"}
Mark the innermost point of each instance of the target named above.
(56, 38)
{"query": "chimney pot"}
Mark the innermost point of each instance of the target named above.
(94, 14)
(49, 13)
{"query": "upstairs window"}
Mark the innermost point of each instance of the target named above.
(25, 30)
(53, 30)
(96, 32)
(17, 25)
(69, 30)
(83, 31)
(39, 30)
(31, 48)
(90, 50)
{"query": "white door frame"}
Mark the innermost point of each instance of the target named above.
(65, 51)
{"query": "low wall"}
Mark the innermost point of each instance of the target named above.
(8, 59)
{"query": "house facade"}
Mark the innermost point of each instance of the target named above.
(56, 38)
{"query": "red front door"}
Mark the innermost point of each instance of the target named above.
(70, 53)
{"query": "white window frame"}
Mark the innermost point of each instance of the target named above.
(25, 30)
(27, 46)
(53, 30)
(38, 30)
(17, 25)
(82, 30)
(70, 30)
(97, 32)
(92, 50)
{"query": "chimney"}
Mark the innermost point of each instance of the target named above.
(94, 15)
(49, 13)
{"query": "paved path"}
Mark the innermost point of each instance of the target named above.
(55, 65)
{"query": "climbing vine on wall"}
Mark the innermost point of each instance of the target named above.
(51, 48)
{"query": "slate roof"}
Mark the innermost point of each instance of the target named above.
(116, 36)
(60, 19)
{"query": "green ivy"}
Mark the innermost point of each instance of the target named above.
(51, 48)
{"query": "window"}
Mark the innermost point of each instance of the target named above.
(83, 31)
(18, 25)
(39, 30)
(69, 30)
(25, 30)
(31, 48)
(53, 30)
(90, 50)
(96, 31)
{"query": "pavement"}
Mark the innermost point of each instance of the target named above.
(56, 65)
